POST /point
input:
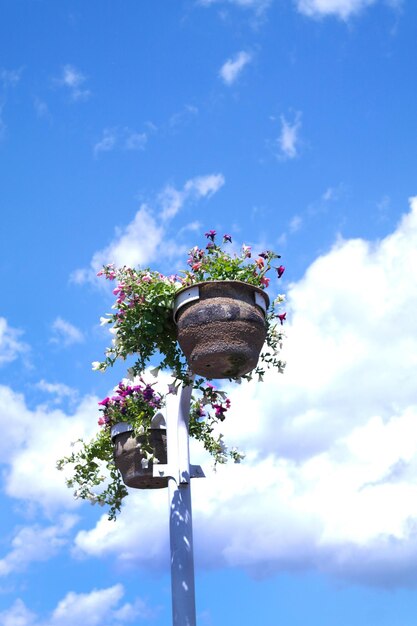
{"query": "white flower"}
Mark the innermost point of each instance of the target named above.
(96, 366)
(105, 320)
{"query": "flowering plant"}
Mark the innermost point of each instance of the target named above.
(142, 325)
(136, 402)
(143, 322)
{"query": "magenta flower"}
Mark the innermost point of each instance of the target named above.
(280, 270)
(210, 234)
(104, 402)
(227, 238)
(282, 317)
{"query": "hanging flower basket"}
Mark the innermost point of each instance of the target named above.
(131, 459)
(221, 327)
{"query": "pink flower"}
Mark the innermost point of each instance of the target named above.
(260, 263)
(147, 278)
(282, 317)
(246, 251)
(196, 266)
(265, 281)
(280, 270)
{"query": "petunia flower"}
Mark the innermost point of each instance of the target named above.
(280, 270)
(210, 234)
(282, 317)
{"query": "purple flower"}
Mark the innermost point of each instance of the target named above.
(227, 238)
(219, 411)
(210, 245)
(104, 402)
(210, 234)
(265, 254)
(282, 317)
(280, 270)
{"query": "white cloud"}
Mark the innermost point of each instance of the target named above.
(10, 78)
(10, 345)
(295, 224)
(59, 390)
(140, 241)
(203, 186)
(65, 333)
(135, 141)
(289, 137)
(107, 141)
(137, 243)
(100, 606)
(17, 615)
(232, 68)
(330, 480)
(340, 8)
(36, 543)
(73, 80)
(41, 108)
(259, 6)
(124, 138)
(33, 440)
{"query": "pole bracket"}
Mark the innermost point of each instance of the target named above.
(167, 471)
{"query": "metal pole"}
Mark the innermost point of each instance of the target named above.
(180, 520)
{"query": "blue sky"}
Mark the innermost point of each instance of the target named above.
(127, 130)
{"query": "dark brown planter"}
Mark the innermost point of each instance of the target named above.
(128, 458)
(221, 327)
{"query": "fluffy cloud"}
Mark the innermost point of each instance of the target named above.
(342, 9)
(141, 240)
(35, 543)
(289, 137)
(330, 477)
(65, 333)
(256, 5)
(232, 68)
(32, 442)
(59, 390)
(10, 345)
(73, 80)
(124, 138)
(100, 606)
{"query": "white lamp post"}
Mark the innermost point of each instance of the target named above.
(179, 473)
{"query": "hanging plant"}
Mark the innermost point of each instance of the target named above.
(220, 299)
